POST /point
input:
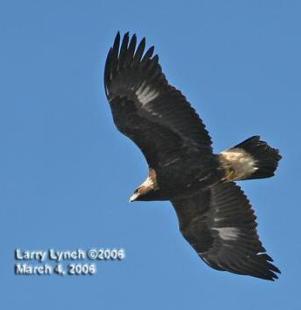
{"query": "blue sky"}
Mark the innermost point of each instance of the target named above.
(67, 173)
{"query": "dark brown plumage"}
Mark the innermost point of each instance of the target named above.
(215, 216)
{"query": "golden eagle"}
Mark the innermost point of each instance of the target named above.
(215, 216)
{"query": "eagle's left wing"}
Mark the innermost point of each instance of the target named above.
(148, 110)
(220, 225)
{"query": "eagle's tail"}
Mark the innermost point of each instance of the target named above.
(251, 159)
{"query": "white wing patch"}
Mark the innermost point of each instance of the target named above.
(145, 94)
(227, 233)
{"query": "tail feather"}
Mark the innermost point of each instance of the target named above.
(250, 159)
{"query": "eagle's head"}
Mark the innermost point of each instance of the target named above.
(137, 195)
(143, 193)
(147, 193)
(148, 190)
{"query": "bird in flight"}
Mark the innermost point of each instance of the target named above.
(214, 214)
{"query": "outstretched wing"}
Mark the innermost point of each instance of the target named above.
(220, 225)
(155, 115)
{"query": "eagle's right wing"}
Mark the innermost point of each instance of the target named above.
(220, 225)
(155, 115)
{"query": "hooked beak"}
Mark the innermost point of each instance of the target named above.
(134, 197)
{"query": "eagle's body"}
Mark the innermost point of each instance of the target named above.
(214, 215)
